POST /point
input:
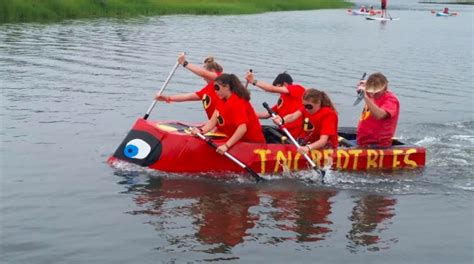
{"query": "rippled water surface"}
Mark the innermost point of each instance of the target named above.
(71, 91)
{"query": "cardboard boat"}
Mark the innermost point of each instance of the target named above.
(169, 147)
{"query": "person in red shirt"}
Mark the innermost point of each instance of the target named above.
(289, 101)
(320, 121)
(209, 72)
(379, 118)
(371, 11)
(383, 5)
(234, 116)
(446, 10)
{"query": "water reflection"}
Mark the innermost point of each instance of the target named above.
(303, 212)
(220, 213)
(214, 217)
(370, 217)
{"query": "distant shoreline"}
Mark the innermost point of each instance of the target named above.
(448, 3)
(13, 11)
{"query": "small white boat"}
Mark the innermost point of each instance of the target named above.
(382, 18)
(359, 13)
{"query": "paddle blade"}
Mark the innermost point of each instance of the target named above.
(254, 174)
(359, 98)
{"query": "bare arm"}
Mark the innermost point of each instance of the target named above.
(178, 97)
(208, 75)
(320, 143)
(292, 117)
(287, 119)
(265, 86)
(210, 124)
(238, 134)
(271, 88)
(376, 111)
(263, 115)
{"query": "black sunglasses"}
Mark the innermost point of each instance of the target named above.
(308, 106)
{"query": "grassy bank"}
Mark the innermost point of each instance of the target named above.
(56, 10)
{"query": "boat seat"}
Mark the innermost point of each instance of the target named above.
(274, 135)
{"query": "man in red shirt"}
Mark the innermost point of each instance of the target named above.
(379, 118)
(384, 8)
(290, 99)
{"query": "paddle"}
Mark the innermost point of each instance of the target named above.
(310, 161)
(234, 159)
(161, 91)
(360, 93)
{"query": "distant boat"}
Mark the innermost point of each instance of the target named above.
(360, 13)
(382, 18)
(444, 13)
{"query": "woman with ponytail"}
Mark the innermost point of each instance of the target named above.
(320, 121)
(209, 72)
(234, 116)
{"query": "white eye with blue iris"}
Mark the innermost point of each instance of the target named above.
(136, 149)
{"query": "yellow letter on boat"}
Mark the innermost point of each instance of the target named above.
(283, 161)
(263, 157)
(381, 153)
(341, 153)
(407, 156)
(396, 163)
(316, 155)
(297, 158)
(372, 158)
(327, 156)
(356, 153)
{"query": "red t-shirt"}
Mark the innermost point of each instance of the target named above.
(209, 97)
(323, 122)
(236, 111)
(289, 103)
(379, 132)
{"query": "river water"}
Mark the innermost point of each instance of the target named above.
(70, 92)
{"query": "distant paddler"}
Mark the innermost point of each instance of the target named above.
(383, 5)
